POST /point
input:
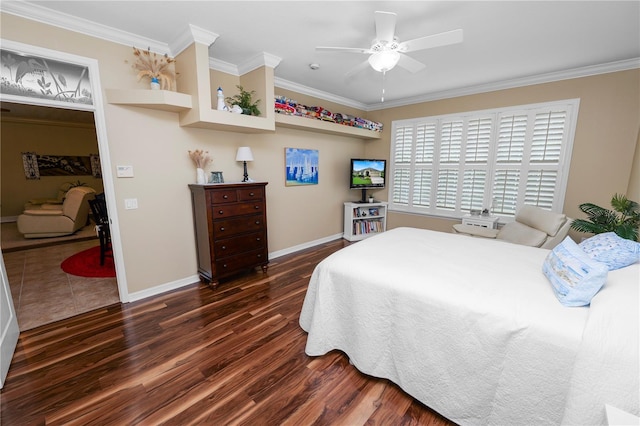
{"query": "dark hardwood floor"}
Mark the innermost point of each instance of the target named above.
(234, 355)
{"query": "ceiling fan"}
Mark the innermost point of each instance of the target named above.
(386, 51)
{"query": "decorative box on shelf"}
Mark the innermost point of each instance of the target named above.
(483, 221)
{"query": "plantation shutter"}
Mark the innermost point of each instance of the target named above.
(476, 161)
(425, 145)
(402, 159)
(498, 159)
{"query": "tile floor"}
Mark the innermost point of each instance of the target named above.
(44, 293)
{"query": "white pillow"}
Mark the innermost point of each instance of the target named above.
(574, 276)
(612, 250)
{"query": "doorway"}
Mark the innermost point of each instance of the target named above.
(92, 109)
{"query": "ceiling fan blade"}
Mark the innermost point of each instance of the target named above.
(359, 68)
(410, 64)
(343, 49)
(435, 40)
(385, 25)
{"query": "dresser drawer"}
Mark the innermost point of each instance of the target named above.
(241, 244)
(230, 227)
(245, 260)
(247, 194)
(237, 209)
(224, 196)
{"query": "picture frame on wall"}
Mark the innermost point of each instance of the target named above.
(301, 166)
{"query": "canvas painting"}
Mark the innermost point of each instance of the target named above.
(301, 166)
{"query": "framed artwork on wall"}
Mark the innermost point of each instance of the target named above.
(301, 166)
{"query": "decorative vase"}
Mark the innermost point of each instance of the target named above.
(200, 177)
(155, 84)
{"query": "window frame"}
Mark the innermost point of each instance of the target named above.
(406, 203)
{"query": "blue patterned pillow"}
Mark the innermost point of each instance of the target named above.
(574, 276)
(612, 250)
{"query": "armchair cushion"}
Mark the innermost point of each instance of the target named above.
(544, 220)
(519, 233)
(475, 231)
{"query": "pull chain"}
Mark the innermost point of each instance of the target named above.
(384, 73)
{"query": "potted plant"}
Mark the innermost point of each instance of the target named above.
(156, 68)
(624, 219)
(245, 101)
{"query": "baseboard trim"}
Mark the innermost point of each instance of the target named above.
(304, 246)
(163, 288)
(193, 279)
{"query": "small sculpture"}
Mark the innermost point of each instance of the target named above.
(221, 105)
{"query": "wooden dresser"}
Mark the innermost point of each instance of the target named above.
(231, 228)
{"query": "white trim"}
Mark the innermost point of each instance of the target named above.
(306, 90)
(8, 219)
(257, 61)
(80, 25)
(587, 71)
(304, 246)
(222, 66)
(163, 288)
(72, 23)
(194, 279)
(192, 35)
(101, 134)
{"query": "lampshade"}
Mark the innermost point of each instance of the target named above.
(384, 61)
(244, 154)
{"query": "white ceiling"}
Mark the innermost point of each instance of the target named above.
(506, 43)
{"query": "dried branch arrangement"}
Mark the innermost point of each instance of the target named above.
(200, 158)
(151, 65)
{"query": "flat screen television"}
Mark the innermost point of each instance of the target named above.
(367, 174)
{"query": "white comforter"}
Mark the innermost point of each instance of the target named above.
(468, 326)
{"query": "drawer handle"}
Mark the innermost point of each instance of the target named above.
(251, 194)
(222, 228)
(224, 247)
(258, 239)
(256, 207)
(259, 256)
(257, 222)
(224, 266)
(220, 212)
(225, 196)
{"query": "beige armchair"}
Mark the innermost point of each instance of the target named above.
(54, 220)
(533, 226)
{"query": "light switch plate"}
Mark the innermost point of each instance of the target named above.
(124, 171)
(130, 203)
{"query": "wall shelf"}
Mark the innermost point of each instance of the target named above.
(163, 100)
(229, 122)
(314, 125)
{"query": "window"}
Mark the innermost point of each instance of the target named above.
(497, 159)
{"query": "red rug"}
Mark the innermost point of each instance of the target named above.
(87, 264)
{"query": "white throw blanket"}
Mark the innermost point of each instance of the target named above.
(468, 326)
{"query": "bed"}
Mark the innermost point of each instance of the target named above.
(471, 328)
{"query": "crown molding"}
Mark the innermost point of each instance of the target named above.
(83, 26)
(259, 60)
(191, 35)
(222, 66)
(588, 71)
(309, 91)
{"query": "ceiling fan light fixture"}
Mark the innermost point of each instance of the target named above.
(384, 61)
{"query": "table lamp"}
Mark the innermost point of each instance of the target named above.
(244, 154)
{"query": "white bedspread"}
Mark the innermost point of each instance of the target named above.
(468, 326)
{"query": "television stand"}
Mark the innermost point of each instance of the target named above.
(362, 221)
(363, 200)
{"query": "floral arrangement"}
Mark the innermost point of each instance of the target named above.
(200, 158)
(155, 66)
